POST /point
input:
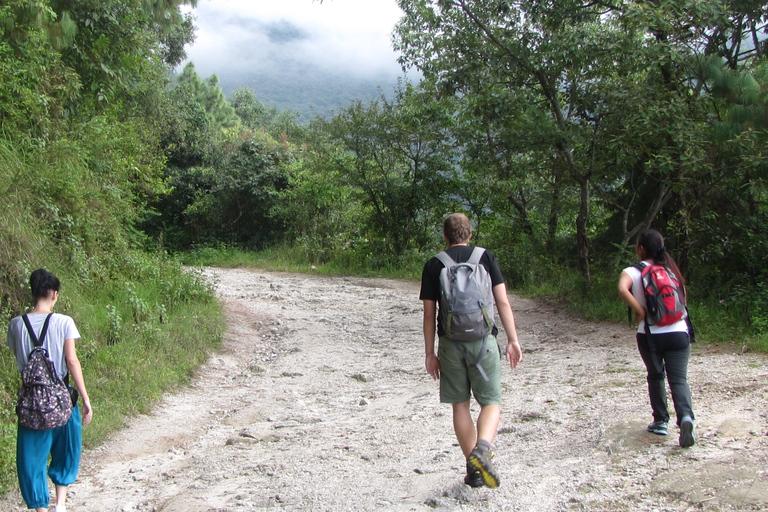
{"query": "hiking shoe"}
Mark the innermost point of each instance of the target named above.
(480, 460)
(473, 477)
(687, 439)
(658, 427)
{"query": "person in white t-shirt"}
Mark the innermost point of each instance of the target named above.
(667, 350)
(63, 444)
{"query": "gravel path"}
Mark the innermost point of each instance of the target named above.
(319, 401)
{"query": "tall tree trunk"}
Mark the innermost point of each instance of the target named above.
(582, 219)
(554, 208)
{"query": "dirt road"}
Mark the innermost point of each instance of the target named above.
(319, 401)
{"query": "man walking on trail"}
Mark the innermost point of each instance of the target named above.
(468, 367)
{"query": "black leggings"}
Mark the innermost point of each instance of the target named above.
(667, 355)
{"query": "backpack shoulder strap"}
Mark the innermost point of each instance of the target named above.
(445, 259)
(31, 331)
(477, 254)
(35, 341)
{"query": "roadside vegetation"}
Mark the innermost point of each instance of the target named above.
(563, 129)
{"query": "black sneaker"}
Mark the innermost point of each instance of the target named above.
(473, 477)
(480, 460)
(687, 439)
(658, 428)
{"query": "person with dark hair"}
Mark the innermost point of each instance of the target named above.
(665, 350)
(458, 379)
(63, 444)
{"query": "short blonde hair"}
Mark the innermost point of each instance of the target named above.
(457, 228)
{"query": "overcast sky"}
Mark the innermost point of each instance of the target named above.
(352, 36)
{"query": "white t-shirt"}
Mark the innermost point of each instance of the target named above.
(637, 291)
(60, 328)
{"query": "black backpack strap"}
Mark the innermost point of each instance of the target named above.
(35, 341)
(655, 357)
(691, 332)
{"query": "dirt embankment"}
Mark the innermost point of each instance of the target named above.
(319, 401)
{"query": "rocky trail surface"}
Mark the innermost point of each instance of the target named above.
(318, 401)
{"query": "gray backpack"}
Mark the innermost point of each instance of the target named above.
(466, 298)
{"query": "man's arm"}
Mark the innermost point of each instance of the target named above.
(513, 352)
(431, 362)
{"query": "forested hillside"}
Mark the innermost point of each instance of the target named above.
(562, 128)
(305, 90)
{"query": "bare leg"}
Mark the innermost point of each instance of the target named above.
(61, 495)
(464, 427)
(488, 422)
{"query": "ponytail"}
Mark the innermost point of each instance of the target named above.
(653, 243)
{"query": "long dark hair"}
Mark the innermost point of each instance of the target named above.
(653, 243)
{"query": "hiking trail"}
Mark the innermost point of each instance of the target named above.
(318, 401)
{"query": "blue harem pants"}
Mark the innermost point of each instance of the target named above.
(64, 444)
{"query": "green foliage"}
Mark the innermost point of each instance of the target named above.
(320, 217)
(117, 44)
(36, 83)
(231, 196)
(395, 158)
(209, 96)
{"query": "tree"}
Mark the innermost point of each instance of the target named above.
(252, 112)
(398, 155)
(552, 56)
(210, 96)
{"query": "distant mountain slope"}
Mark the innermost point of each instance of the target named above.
(305, 89)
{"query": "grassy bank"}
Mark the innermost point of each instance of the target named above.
(715, 321)
(142, 335)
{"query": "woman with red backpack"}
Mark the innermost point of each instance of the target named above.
(654, 289)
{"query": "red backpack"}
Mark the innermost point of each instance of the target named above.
(664, 300)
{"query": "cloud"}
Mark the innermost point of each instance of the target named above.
(284, 31)
(340, 36)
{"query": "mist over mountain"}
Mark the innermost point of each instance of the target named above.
(308, 57)
(304, 88)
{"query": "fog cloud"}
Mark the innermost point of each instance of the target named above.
(338, 36)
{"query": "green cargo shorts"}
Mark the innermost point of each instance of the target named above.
(458, 378)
